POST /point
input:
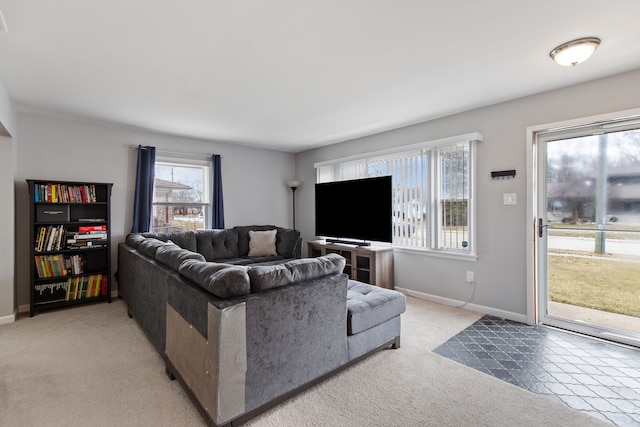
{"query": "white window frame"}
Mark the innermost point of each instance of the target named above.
(194, 161)
(333, 170)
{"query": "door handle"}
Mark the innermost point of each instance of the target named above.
(540, 227)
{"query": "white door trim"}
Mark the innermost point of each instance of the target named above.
(532, 202)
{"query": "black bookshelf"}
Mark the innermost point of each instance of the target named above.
(70, 243)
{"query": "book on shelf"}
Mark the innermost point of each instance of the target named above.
(50, 238)
(90, 228)
(59, 265)
(55, 238)
(83, 287)
(50, 266)
(76, 264)
(87, 245)
(63, 193)
(87, 239)
(89, 235)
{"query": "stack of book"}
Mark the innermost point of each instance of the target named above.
(87, 236)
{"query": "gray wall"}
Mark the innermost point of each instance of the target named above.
(50, 148)
(57, 149)
(8, 125)
(501, 268)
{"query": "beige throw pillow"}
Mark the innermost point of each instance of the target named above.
(262, 243)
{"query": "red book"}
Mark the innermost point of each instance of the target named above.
(88, 228)
(103, 286)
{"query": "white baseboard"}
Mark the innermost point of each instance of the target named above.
(5, 320)
(509, 315)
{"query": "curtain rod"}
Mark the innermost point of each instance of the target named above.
(179, 153)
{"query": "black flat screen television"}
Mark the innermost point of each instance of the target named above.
(357, 209)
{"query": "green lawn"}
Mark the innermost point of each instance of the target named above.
(599, 283)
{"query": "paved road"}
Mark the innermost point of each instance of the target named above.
(612, 246)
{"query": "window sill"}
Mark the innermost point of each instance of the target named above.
(436, 253)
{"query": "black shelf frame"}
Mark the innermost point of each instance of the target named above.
(99, 209)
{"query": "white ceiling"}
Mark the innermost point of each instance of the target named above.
(294, 74)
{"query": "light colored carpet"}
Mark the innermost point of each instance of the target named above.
(93, 366)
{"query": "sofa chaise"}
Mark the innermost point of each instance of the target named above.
(244, 324)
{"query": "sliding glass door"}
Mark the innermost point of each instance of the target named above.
(588, 230)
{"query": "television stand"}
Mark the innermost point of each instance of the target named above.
(349, 242)
(370, 264)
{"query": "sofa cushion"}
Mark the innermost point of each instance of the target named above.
(262, 243)
(173, 255)
(236, 261)
(369, 306)
(222, 280)
(267, 260)
(149, 246)
(217, 244)
(184, 239)
(288, 242)
(298, 270)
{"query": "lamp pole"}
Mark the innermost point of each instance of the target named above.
(293, 190)
(294, 184)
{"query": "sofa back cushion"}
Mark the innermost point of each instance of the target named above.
(217, 244)
(222, 280)
(184, 239)
(288, 243)
(298, 270)
(149, 246)
(174, 255)
(134, 239)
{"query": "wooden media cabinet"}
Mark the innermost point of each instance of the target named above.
(367, 264)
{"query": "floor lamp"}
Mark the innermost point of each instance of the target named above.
(294, 184)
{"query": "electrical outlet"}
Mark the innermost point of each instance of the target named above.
(470, 278)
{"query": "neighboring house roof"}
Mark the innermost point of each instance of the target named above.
(163, 183)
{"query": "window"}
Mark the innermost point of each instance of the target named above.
(432, 190)
(181, 195)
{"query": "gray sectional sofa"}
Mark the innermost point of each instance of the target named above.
(243, 322)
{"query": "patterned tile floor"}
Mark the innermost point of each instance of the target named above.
(599, 378)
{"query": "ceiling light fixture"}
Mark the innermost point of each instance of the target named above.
(574, 52)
